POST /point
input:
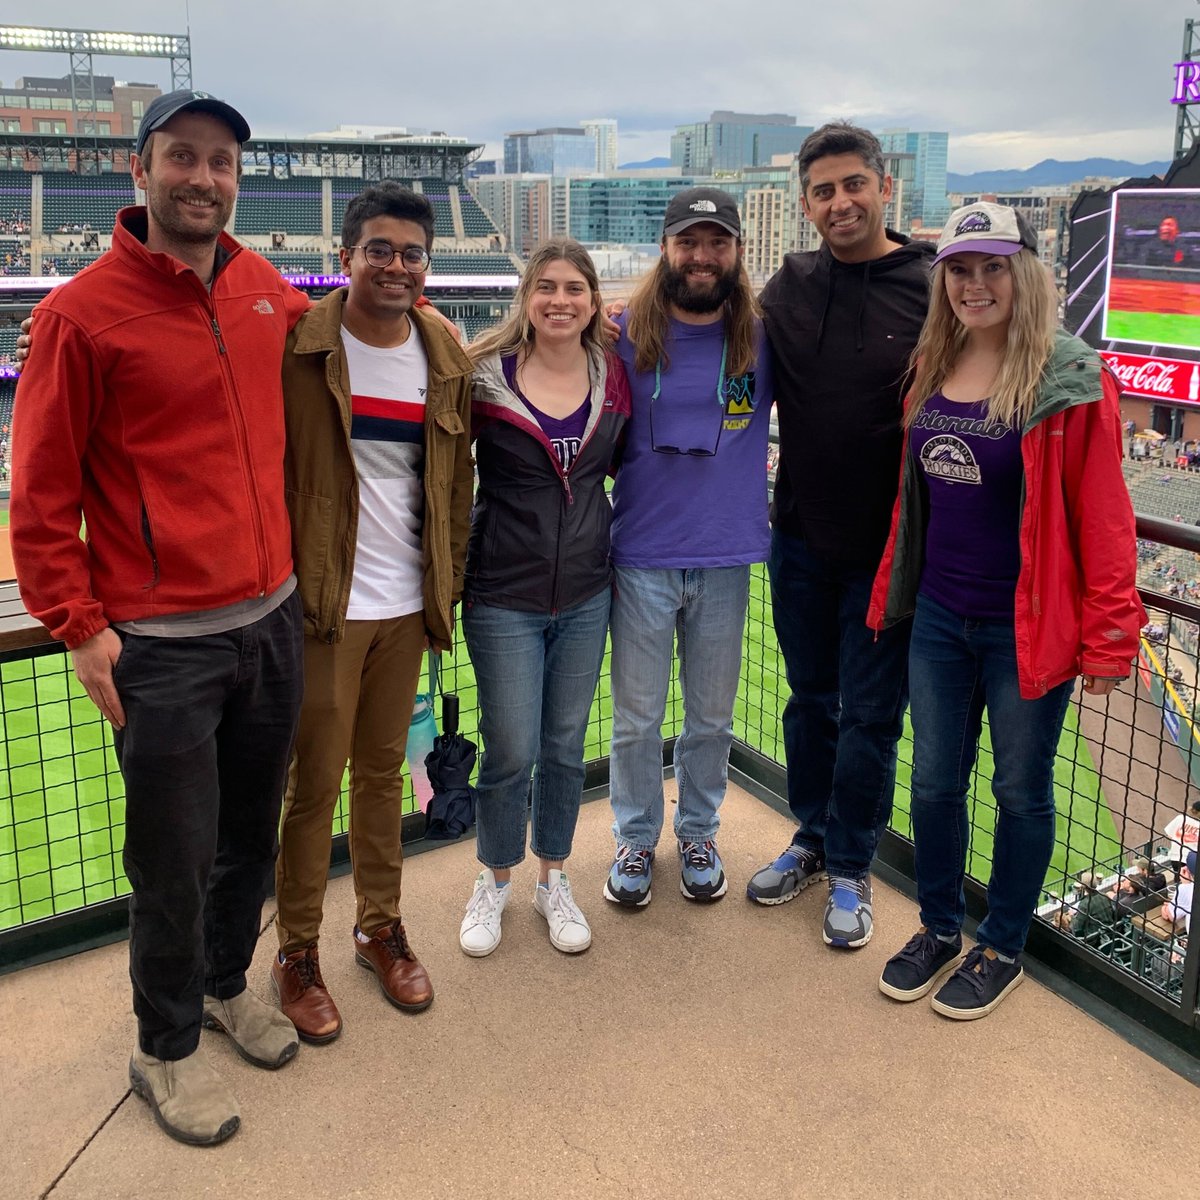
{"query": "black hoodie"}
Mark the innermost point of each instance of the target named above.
(841, 335)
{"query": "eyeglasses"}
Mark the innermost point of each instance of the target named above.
(380, 254)
(694, 451)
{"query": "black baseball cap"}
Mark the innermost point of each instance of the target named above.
(163, 108)
(693, 205)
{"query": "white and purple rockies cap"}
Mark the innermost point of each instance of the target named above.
(985, 228)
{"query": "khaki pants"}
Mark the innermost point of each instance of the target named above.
(358, 700)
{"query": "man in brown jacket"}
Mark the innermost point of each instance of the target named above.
(379, 480)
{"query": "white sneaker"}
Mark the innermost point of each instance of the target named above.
(479, 933)
(569, 930)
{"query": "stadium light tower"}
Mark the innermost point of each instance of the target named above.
(83, 44)
(1187, 91)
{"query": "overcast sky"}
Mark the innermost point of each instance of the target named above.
(1012, 82)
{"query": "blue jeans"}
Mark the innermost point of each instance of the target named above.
(846, 709)
(705, 609)
(537, 676)
(957, 668)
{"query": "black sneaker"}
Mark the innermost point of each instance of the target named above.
(920, 966)
(977, 986)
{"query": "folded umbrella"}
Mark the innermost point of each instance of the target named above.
(451, 811)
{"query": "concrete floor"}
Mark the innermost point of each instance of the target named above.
(694, 1050)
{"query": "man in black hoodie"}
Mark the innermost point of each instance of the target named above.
(842, 322)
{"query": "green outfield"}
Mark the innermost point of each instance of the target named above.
(62, 805)
(1155, 329)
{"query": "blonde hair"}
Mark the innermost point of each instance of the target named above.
(1030, 342)
(516, 334)
(649, 314)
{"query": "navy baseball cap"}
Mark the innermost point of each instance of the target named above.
(1190, 862)
(163, 108)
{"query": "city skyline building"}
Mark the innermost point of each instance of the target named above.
(929, 203)
(556, 150)
(603, 131)
(730, 141)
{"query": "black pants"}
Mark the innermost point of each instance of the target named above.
(209, 728)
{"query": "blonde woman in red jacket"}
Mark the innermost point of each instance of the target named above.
(1013, 542)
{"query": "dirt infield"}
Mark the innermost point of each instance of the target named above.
(1154, 296)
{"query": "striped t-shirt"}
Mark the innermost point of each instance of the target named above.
(387, 390)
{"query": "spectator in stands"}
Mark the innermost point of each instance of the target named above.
(1093, 909)
(379, 479)
(1013, 539)
(689, 519)
(1139, 880)
(1179, 909)
(179, 610)
(550, 405)
(842, 321)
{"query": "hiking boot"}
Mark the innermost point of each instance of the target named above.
(628, 882)
(569, 930)
(917, 969)
(978, 986)
(786, 877)
(261, 1034)
(701, 875)
(187, 1097)
(479, 933)
(303, 997)
(848, 920)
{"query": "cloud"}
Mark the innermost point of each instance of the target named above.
(1039, 77)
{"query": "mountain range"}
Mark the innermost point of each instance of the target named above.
(1048, 173)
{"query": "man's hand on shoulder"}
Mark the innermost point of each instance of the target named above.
(94, 661)
(24, 342)
(612, 311)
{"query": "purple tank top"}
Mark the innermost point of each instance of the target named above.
(972, 466)
(565, 433)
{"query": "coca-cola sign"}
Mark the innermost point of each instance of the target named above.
(1169, 380)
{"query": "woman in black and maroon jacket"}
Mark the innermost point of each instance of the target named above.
(549, 406)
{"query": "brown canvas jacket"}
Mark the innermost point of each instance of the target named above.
(322, 486)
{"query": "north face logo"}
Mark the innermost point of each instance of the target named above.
(975, 222)
(702, 206)
(263, 306)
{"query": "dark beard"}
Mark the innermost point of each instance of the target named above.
(681, 294)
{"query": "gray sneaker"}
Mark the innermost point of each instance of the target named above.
(786, 877)
(260, 1033)
(187, 1097)
(848, 913)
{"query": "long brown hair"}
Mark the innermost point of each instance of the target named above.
(1030, 341)
(516, 334)
(649, 314)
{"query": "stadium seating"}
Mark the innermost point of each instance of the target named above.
(14, 264)
(266, 204)
(437, 192)
(69, 202)
(295, 263)
(476, 223)
(1160, 491)
(451, 262)
(16, 201)
(8, 389)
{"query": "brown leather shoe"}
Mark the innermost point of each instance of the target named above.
(401, 977)
(304, 998)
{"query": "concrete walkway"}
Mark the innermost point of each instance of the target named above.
(717, 1051)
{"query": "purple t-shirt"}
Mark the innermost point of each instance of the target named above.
(565, 433)
(674, 510)
(974, 474)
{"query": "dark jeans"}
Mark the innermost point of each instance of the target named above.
(846, 709)
(958, 668)
(204, 754)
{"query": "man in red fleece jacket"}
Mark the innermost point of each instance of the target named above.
(152, 410)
